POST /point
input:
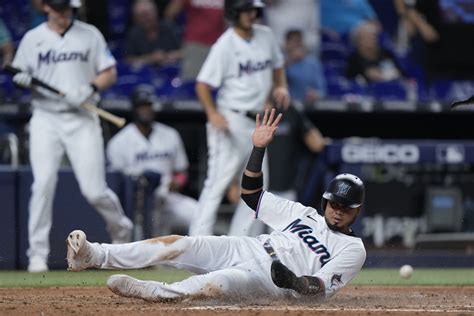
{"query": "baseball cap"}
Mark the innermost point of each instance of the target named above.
(143, 96)
(63, 4)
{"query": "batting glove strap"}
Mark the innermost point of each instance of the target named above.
(23, 79)
(252, 183)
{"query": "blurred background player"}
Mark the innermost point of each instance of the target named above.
(246, 64)
(198, 35)
(151, 41)
(72, 56)
(155, 151)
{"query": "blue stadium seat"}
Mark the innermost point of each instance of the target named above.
(390, 90)
(339, 86)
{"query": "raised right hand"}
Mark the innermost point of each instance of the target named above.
(264, 130)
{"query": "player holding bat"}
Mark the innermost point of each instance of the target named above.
(72, 56)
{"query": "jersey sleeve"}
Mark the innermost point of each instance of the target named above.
(22, 59)
(342, 268)
(277, 212)
(181, 162)
(104, 58)
(212, 71)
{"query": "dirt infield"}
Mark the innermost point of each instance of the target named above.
(353, 300)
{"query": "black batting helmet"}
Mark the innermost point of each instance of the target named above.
(232, 8)
(143, 95)
(345, 189)
(63, 4)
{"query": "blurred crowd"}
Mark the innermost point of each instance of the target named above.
(394, 49)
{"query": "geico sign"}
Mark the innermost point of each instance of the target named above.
(388, 153)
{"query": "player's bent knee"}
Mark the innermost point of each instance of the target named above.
(165, 239)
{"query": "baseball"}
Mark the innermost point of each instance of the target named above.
(406, 271)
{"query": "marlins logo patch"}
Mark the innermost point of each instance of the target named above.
(343, 189)
(336, 280)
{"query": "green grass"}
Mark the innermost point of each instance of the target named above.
(419, 277)
(83, 278)
(98, 278)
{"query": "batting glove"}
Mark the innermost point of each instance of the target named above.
(78, 97)
(23, 79)
(285, 278)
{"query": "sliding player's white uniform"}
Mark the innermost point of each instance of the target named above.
(240, 266)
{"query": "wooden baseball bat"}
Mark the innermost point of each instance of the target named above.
(117, 120)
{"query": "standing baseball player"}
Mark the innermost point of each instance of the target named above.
(306, 254)
(246, 65)
(152, 150)
(72, 56)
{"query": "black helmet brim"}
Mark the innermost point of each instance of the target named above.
(341, 200)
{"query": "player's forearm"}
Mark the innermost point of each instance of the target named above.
(279, 78)
(314, 140)
(204, 95)
(105, 78)
(7, 50)
(252, 179)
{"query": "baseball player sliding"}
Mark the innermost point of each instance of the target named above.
(155, 151)
(246, 65)
(72, 56)
(306, 254)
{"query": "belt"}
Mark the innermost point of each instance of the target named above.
(251, 115)
(269, 249)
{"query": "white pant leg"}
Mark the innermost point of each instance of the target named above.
(175, 210)
(233, 283)
(243, 221)
(199, 254)
(223, 163)
(227, 153)
(231, 265)
(85, 150)
(46, 152)
(182, 209)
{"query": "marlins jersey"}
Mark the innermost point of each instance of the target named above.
(162, 152)
(66, 61)
(300, 232)
(242, 69)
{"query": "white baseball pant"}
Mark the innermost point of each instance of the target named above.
(79, 135)
(226, 265)
(228, 154)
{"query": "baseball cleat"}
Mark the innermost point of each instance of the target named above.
(80, 253)
(127, 286)
(37, 265)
